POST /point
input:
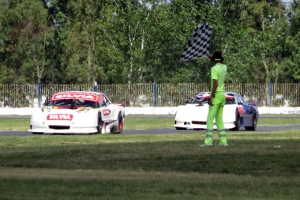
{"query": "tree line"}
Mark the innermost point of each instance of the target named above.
(140, 41)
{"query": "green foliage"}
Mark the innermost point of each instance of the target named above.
(293, 42)
(141, 41)
(28, 35)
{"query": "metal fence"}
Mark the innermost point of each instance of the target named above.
(152, 94)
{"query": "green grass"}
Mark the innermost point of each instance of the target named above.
(14, 123)
(146, 123)
(278, 121)
(141, 123)
(150, 166)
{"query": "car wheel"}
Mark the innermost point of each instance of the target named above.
(37, 133)
(179, 128)
(254, 124)
(119, 127)
(237, 123)
(100, 124)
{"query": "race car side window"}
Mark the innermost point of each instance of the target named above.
(241, 100)
(103, 103)
(107, 101)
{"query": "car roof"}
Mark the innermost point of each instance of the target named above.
(76, 92)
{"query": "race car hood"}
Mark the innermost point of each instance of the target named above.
(50, 114)
(54, 109)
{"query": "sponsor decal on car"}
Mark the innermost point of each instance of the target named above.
(241, 110)
(82, 108)
(85, 109)
(106, 112)
(68, 117)
(75, 96)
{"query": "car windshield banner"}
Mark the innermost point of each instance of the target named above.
(83, 96)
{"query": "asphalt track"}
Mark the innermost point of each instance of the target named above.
(168, 130)
(259, 128)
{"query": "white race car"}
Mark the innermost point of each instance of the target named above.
(78, 112)
(237, 113)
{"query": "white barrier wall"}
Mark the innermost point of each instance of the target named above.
(156, 110)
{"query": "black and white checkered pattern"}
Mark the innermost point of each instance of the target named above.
(198, 44)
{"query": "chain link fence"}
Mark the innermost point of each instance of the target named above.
(160, 94)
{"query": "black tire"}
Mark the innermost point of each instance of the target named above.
(100, 124)
(179, 128)
(119, 128)
(37, 133)
(237, 123)
(254, 124)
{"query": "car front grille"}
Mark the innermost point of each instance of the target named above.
(199, 122)
(58, 127)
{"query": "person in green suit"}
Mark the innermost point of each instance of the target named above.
(217, 101)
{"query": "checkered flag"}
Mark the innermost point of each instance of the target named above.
(198, 45)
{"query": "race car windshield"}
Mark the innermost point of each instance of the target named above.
(198, 100)
(205, 101)
(230, 101)
(77, 103)
(195, 101)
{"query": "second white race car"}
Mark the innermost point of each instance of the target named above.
(237, 113)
